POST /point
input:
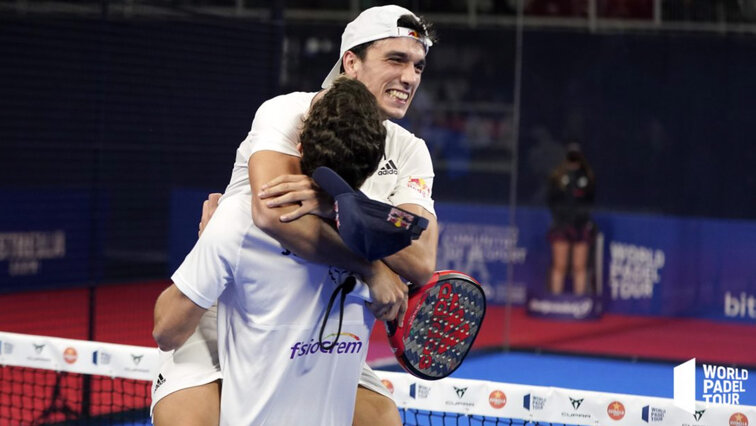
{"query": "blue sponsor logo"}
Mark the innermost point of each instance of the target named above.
(533, 402)
(652, 415)
(100, 358)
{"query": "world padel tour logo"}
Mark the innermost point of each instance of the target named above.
(651, 414)
(616, 410)
(69, 355)
(497, 399)
(418, 391)
(100, 357)
(721, 385)
(533, 402)
(348, 344)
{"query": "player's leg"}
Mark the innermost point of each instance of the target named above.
(186, 390)
(195, 406)
(373, 404)
(372, 408)
(560, 250)
(580, 251)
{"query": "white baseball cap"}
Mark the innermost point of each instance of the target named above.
(374, 24)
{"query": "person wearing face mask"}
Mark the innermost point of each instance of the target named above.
(572, 187)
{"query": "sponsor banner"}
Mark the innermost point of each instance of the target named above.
(651, 265)
(478, 241)
(45, 239)
(557, 405)
(564, 306)
(78, 356)
(707, 415)
(713, 384)
(680, 266)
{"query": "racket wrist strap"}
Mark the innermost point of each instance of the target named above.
(344, 288)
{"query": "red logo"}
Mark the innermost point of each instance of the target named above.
(616, 410)
(497, 399)
(419, 185)
(738, 419)
(69, 355)
(389, 385)
(400, 219)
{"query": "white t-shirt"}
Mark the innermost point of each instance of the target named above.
(404, 176)
(270, 307)
(270, 303)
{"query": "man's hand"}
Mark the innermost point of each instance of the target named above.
(388, 292)
(208, 208)
(297, 189)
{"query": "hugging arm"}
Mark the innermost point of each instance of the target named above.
(176, 318)
(314, 240)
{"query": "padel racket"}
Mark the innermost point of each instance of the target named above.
(442, 321)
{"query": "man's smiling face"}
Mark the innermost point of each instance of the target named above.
(392, 71)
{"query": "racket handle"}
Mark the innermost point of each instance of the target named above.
(391, 327)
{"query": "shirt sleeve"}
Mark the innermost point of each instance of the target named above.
(274, 128)
(209, 266)
(415, 181)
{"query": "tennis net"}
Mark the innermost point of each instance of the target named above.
(48, 380)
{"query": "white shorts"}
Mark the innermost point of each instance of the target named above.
(192, 364)
(195, 363)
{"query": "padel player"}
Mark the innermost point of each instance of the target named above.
(390, 62)
(270, 302)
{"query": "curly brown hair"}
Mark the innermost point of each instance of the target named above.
(344, 131)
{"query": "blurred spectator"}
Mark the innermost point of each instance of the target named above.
(571, 194)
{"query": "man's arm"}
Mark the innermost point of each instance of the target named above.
(176, 318)
(417, 262)
(314, 240)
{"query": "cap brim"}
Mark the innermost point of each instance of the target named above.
(333, 75)
(331, 182)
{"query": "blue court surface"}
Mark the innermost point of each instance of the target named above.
(589, 373)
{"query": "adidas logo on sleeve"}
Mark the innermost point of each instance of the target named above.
(388, 169)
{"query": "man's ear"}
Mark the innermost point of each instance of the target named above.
(299, 147)
(351, 63)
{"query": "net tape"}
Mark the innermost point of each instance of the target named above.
(466, 401)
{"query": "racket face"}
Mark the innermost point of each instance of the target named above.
(442, 321)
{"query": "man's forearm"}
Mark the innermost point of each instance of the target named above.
(176, 317)
(417, 262)
(314, 240)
